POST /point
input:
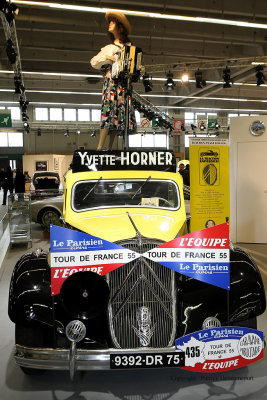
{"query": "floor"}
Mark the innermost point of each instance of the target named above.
(248, 383)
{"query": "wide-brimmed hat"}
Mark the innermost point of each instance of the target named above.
(120, 17)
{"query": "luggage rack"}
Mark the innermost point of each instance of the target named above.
(19, 207)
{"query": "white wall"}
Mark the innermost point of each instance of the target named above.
(239, 133)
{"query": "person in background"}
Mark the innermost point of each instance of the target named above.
(187, 168)
(14, 171)
(184, 173)
(2, 177)
(8, 184)
(19, 182)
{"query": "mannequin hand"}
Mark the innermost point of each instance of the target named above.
(112, 58)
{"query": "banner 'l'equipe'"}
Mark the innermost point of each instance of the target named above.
(202, 255)
(73, 251)
(221, 349)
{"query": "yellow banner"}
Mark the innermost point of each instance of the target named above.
(209, 182)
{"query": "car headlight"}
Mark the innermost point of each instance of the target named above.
(84, 295)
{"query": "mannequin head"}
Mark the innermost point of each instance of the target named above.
(116, 30)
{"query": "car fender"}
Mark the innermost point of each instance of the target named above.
(244, 301)
(30, 290)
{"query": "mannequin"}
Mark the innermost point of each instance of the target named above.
(113, 99)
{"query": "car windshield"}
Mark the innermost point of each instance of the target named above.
(125, 193)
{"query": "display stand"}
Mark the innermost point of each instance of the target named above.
(19, 218)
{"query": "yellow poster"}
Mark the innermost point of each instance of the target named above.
(209, 182)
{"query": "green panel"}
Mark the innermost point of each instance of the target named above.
(5, 119)
(212, 123)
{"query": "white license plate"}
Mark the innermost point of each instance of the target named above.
(147, 360)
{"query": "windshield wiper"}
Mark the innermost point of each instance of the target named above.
(95, 185)
(140, 187)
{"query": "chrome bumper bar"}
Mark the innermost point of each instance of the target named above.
(59, 359)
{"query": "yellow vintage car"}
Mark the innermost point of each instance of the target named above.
(131, 316)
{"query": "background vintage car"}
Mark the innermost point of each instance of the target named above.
(45, 184)
(47, 211)
(139, 308)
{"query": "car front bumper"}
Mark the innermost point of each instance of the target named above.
(60, 359)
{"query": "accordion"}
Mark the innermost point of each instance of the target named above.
(129, 63)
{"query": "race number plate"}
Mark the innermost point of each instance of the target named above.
(152, 360)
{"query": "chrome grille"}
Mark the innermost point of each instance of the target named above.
(137, 286)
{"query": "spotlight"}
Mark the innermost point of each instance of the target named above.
(17, 83)
(170, 85)
(23, 105)
(26, 127)
(78, 132)
(39, 133)
(200, 82)
(66, 134)
(93, 133)
(147, 83)
(259, 75)
(185, 79)
(217, 126)
(193, 127)
(10, 51)
(182, 128)
(24, 117)
(227, 77)
(9, 9)
(202, 126)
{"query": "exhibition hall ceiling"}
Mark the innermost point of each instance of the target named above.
(63, 40)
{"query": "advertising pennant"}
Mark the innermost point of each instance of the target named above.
(221, 349)
(73, 251)
(202, 255)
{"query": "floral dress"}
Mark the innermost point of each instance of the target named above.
(113, 96)
(113, 107)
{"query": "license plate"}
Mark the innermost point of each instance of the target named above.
(147, 360)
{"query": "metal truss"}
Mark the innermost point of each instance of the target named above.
(10, 33)
(207, 64)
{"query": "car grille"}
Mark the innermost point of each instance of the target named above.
(142, 309)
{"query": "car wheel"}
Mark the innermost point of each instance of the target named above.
(48, 216)
(31, 336)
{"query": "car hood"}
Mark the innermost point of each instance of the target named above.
(119, 227)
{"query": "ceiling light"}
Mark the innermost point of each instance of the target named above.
(146, 14)
(200, 82)
(202, 126)
(185, 78)
(93, 134)
(147, 83)
(78, 132)
(259, 75)
(227, 78)
(26, 127)
(170, 85)
(66, 134)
